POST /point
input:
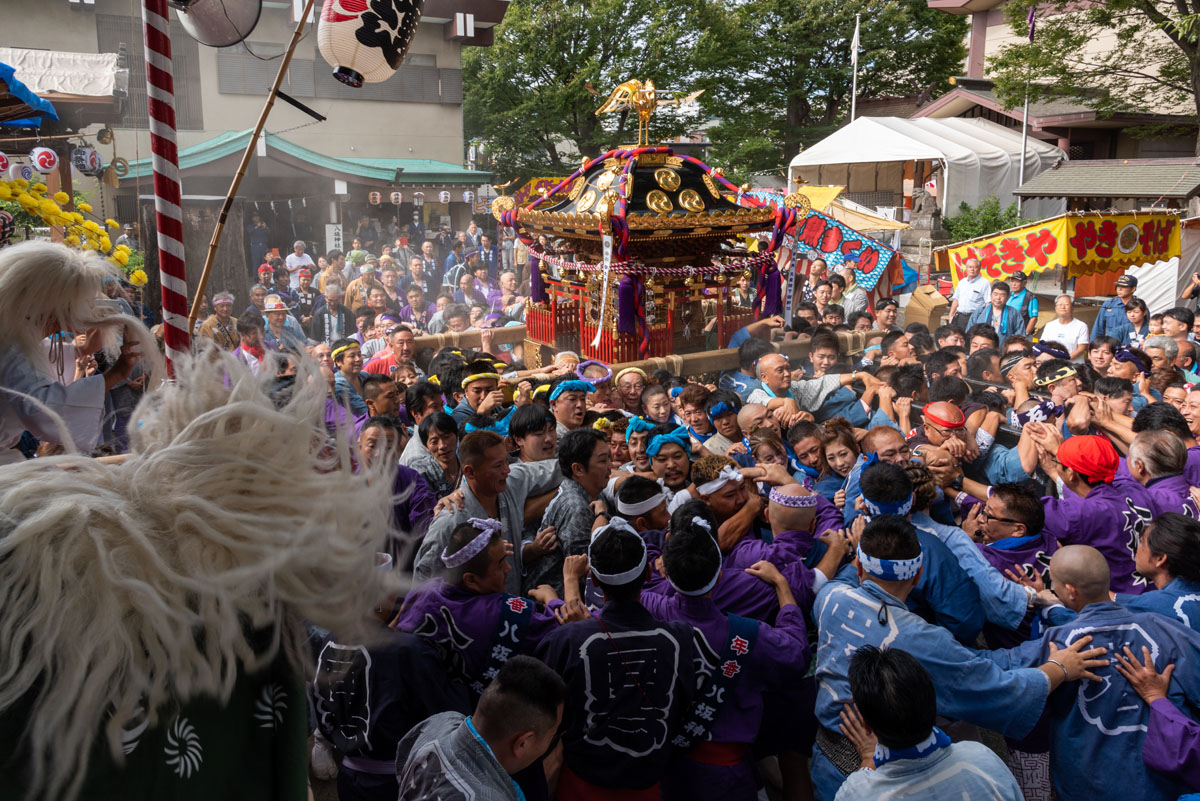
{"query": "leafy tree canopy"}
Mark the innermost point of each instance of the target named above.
(777, 73)
(527, 95)
(986, 218)
(779, 76)
(1113, 55)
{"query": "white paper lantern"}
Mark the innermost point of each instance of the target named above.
(375, 198)
(468, 196)
(16, 171)
(87, 160)
(4, 163)
(444, 196)
(43, 159)
(365, 40)
(397, 198)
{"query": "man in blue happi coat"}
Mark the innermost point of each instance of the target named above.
(970, 685)
(1099, 729)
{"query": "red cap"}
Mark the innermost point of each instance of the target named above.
(305, 272)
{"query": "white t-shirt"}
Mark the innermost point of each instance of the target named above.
(971, 294)
(1072, 334)
(294, 263)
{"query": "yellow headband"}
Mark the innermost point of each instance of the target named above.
(343, 349)
(637, 370)
(540, 390)
(480, 377)
(433, 379)
(602, 424)
(1059, 375)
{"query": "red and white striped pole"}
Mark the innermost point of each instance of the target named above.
(168, 216)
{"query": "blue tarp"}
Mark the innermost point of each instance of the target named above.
(39, 107)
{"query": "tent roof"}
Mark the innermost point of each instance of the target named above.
(870, 140)
(861, 218)
(18, 102)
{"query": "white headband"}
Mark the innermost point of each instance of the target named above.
(890, 569)
(618, 579)
(728, 473)
(702, 591)
(641, 507)
(486, 528)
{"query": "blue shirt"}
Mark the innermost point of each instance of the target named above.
(1111, 321)
(1020, 300)
(1010, 320)
(741, 383)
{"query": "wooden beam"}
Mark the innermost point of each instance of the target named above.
(687, 364)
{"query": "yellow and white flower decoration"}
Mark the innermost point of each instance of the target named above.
(78, 231)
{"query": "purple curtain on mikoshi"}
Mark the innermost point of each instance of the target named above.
(769, 291)
(627, 295)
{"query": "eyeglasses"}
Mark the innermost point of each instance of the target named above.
(985, 515)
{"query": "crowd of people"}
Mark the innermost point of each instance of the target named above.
(959, 563)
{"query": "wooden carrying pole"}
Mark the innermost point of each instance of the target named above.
(202, 285)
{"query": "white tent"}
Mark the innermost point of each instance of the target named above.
(1160, 284)
(977, 159)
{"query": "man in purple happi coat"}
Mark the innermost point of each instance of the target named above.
(747, 662)
(1156, 461)
(472, 622)
(1091, 510)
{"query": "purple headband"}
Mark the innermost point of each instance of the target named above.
(1124, 354)
(793, 501)
(1044, 412)
(487, 529)
(1050, 350)
(593, 381)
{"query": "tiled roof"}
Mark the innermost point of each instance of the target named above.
(1176, 179)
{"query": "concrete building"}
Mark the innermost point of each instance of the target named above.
(402, 135)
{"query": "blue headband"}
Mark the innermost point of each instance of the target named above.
(571, 386)
(900, 508)
(637, 424)
(675, 392)
(677, 437)
(719, 408)
(499, 426)
(890, 569)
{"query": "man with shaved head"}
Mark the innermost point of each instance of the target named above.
(945, 426)
(780, 392)
(889, 446)
(754, 415)
(799, 521)
(1098, 730)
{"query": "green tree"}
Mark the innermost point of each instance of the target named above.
(986, 218)
(778, 72)
(527, 95)
(1148, 58)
